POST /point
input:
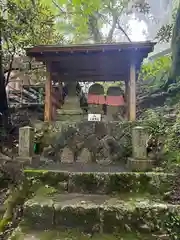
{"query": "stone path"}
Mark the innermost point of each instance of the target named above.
(86, 167)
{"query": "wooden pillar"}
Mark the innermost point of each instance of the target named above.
(132, 93)
(126, 95)
(48, 95)
(60, 94)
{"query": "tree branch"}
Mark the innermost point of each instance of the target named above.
(122, 30)
(93, 27)
(57, 6)
(12, 54)
(113, 27)
(10, 69)
(118, 26)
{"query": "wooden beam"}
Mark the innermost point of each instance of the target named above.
(95, 78)
(132, 93)
(84, 59)
(148, 46)
(48, 96)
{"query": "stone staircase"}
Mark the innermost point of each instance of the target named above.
(101, 206)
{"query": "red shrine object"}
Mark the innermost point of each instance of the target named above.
(109, 100)
(115, 100)
(96, 99)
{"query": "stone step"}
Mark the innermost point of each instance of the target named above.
(104, 182)
(19, 234)
(69, 115)
(99, 213)
(69, 112)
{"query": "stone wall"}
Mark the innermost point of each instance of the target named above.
(85, 141)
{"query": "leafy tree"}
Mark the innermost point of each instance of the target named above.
(28, 23)
(156, 72)
(164, 34)
(100, 21)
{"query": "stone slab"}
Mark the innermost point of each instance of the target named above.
(85, 156)
(59, 234)
(139, 140)
(67, 156)
(26, 141)
(29, 161)
(106, 182)
(4, 157)
(140, 165)
(88, 167)
(99, 213)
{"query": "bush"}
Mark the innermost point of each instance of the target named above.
(165, 131)
(172, 143)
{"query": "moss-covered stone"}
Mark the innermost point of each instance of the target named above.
(39, 213)
(93, 213)
(19, 234)
(46, 191)
(87, 182)
(67, 200)
(106, 183)
(17, 196)
(47, 177)
(84, 218)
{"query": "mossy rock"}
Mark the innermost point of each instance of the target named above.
(39, 215)
(96, 213)
(107, 183)
(87, 182)
(47, 177)
(19, 234)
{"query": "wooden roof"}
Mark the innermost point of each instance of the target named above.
(95, 62)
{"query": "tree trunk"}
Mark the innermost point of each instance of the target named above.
(3, 96)
(175, 70)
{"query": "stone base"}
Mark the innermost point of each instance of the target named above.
(140, 165)
(29, 161)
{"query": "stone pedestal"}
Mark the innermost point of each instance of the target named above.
(71, 110)
(72, 101)
(96, 108)
(26, 147)
(139, 161)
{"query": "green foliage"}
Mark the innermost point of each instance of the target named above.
(28, 24)
(155, 73)
(173, 225)
(175, 72)
(165, 33)
(159, 66)
(167, 131)
(86, 20)
(155, 122)
(172, 145)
